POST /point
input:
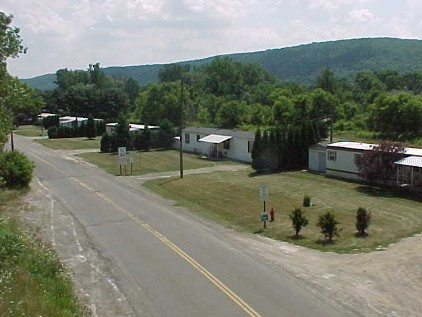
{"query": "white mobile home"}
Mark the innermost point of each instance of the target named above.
(219, 143)
(110, 127)
(341, 158)
(70, 122)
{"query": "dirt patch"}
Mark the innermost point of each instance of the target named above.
(380, 283)
(48, 218)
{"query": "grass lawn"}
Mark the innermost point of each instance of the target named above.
(30, 131)
(71, 143)
(32, 280)
(149, 162)
(232, 199)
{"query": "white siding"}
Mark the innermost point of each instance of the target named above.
(344, 165)
(317, 160)
(195, 146)
(238, 146)
(239, 150)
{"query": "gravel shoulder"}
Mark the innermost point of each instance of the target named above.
(381, 283)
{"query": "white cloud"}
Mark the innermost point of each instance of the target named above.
(74, 33)
(361, 15)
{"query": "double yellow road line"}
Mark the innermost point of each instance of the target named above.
(209, 276)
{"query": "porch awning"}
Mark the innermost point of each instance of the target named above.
(415, 161)
(215, 138)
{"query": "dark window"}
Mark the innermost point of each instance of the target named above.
(197, 137)
(250, 146)
(187, 138)
(332, 155)
(226, 144)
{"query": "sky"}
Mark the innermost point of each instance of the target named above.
(75, 33)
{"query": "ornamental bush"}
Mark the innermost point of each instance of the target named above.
(363, 219)
(15, 169)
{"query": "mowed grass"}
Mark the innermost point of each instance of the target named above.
(149, 162)
(32, 280)
(232, 199)
(82, 143)
(30, 131)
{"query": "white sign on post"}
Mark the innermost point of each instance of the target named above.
(263, 192)
(122, 155)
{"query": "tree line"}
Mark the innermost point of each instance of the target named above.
(229, 94)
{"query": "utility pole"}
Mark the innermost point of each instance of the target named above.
(12, 143)
(181, 127)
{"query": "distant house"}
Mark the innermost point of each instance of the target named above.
(43, 115)
(218, 143)
(70, 122)
(341, 161)
(110, 127)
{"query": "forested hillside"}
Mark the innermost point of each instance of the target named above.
(299, 64)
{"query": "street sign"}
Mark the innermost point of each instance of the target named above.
(122, 155)
(263, 192)
(122, 152)
(264, 216)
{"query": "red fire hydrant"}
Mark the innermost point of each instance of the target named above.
(272, 212)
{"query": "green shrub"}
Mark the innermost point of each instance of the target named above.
(328, 224)
(306, 201)
(52, 132)
(299, 220)
(363, 218)
(108, 143)
(15, 169)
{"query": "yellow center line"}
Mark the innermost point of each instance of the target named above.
(214, 280)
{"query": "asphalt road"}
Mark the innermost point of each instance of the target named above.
(166, 261)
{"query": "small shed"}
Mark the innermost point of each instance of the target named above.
(316, 157)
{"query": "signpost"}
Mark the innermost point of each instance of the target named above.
(131, 159)
(122, 158)
(263, 196)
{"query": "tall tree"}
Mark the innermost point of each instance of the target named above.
(15, 97)
(326, 81)
(91, 128)
(172, 72)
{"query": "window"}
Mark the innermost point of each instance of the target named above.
(332, 155)
(250, 146)
(197, 137)
(226, 145)
(187, 138)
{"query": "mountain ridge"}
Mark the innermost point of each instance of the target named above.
(301, 63)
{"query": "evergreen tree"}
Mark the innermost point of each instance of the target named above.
(91, 128)
(299, 220)
(122, 133)
(363, 218)
(256, 151)
(328, 224)
(147, 138)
